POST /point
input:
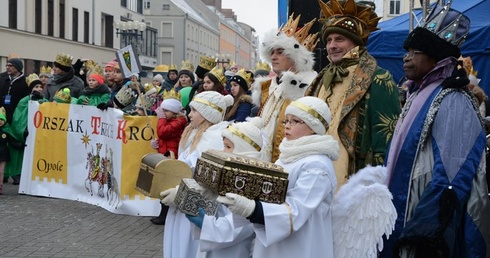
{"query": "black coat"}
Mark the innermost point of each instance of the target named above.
(17, 89)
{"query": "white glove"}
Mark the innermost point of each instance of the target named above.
(238, 204)
(168, 196)
(154, 144)
(206, 192)
(159, 112)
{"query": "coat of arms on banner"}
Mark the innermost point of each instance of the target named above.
(128, 61)
(101, 170)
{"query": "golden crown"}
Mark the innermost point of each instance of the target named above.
(63, 96)
(207, 62)
(125, 95)
(187, 65)
(96, 70)
(301, 35)
(148, 86)
(218, 73)
(262, 66)
(64, 60)
(148, 100)
(172, 67)
(171, 94)
(246, 76)
(32, 77)
(361, 12)
(46, 70)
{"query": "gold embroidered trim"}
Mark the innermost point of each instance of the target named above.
(290, 218)
(205, 102)
(234, 131)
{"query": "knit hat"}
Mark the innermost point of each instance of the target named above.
(63, 96)
(353, 20)
(313, 111)
(111, 65)
(3, 114)
(243, 78)
(17, 63)
(245, 136)
(296, 42)
(63, 62)
(158, 78)
(441, 35)
(172, 105)
(211, 105)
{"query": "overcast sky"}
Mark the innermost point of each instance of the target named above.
(260, 14)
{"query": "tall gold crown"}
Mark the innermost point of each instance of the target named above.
(187, 65)
(31, 78)
(64, 60)
(218, 73)
(96, 69)
(262, 66)
(46, 70)
(246, 76)
(361, 12)
(172, 67)
(171, 94)
(63, 96)
(207, 62)
(301, 35)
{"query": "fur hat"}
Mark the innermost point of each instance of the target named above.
(172, 105)
(313, 111)
(297, 44)
(211, 105)
(353, 20)
(245, 136)
(17, 63)
(441, 35)
(158, 78)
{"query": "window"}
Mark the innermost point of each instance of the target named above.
(147, 4)
(139, 6)
(62, 19)
(107, 31)
(124, 3)
(50, 17)
(75, 25)
(13, 14)
(38, 17)
(86, 27)
(395, 7)
(167, 30)
(150, 40)
(166, 7)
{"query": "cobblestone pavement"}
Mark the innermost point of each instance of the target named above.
(33, 226)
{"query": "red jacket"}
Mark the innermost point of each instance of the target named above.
(169, 133)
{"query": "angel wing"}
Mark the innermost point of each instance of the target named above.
(362, 212)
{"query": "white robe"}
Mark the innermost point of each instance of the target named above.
(304, 229)
(177, 236)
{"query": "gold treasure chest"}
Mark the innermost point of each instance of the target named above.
(188, 199)
(232, 173)
(159, 173)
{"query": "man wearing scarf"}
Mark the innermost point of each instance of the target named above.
(436, 160)
(362, 96)
(63, 77)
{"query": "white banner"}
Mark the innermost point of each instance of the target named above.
(81, 153)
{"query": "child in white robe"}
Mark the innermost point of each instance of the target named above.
(202, 133)
(217, 235)
(301, 226)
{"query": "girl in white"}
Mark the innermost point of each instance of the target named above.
(301, 226)
(218, 237)
(202, 133)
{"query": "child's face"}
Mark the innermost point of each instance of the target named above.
(37, 87)
(156, 83)
(169, 114)
(196, 118)
(109, 74)
(44, 79)
(228, 145)
(235, 88)
(92, 83)
(207, 84)
(295, 128)
(118, 76)
(172, 75)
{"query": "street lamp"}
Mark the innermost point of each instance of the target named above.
(130, 30)
(223, 59)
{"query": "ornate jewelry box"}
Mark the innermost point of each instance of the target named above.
(159, 173)
(232, 173)
(188, 199)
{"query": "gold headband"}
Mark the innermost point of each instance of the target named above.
(205, 102)
(310, 111)
(234, 131)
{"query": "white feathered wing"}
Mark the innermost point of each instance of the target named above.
(362, 212)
